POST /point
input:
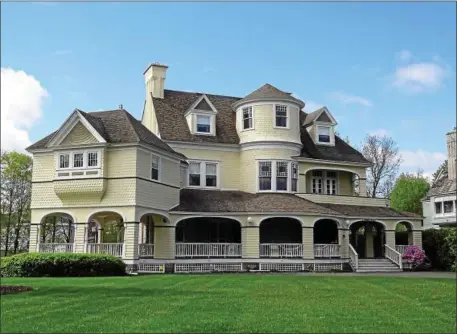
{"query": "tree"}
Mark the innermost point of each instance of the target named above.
(408, 192)
(383, 152)
(440, 172)
(16, 185)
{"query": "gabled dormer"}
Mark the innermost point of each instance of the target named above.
(201, 117)
(321, 126)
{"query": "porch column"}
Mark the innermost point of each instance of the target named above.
(80, 238)
(164, 242)
(417, 238)
(250, 242)
(33, 240)
(343, 240)
(308, 242)
(131, 241)
(363, 187)
(369, 240)
(390, 238)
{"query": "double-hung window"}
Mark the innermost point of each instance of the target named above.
(203, 174)
(438, 208)
(64, 160)
(323, 134)
(294, 176)
(247, 118)
(281, 116)
(78, 160)
(282, 175)
(265, 175)
(203, 124)
(92, 159)
(277, 175)
(155, 168)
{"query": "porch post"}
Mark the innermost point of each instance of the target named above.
(131, 241)
(164, 242)
(250, 242)
(343, 240)
(80, 238)
(308, 242)
(417, 238)
(34, 243)
(363, 187)
(390, 238)
(369, 240)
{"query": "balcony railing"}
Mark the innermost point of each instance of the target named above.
(114, 249)
(192, 250)
(281, 250)
(55, 248)
(327, 250)
(146, 250)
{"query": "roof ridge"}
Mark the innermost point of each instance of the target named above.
(187, 92)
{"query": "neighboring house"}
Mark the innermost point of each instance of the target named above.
(212, 182)
(439, 205)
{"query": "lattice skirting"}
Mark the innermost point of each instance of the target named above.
(207, 267)
(291, 267)
(328, 266)
(151, 268)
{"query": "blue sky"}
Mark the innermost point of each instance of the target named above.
(378, 67)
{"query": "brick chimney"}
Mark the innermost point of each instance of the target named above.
(154, 78)
(451, 154)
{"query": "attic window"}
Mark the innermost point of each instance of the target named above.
(323, 134)
(203, 124)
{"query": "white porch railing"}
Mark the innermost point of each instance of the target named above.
(327, 250)
(146, 250)
(394, 256)
(218, 249)
(281, 250)
(55, 248)
(401, 248)
(106, 248)
(353, 258)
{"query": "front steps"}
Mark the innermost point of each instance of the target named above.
(377, 266)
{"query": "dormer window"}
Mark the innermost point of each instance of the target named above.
(323, 133)
(203, 124)
(281, 119)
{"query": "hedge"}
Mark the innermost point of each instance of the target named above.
(440, 247)
(61, 265)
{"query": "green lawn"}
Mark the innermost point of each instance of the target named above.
(231, 303)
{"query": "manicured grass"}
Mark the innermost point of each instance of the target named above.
(231, 303)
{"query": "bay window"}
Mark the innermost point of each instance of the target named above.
(78, 160)
(64, 160)
(80, 163)
(445, 206)
(92, 159)
(277, 176)
(203, 174)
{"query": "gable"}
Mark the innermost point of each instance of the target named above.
(203, 105)
(79, 135)
(324, 118)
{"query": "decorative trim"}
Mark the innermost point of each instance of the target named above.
(192, 107)
(270, 144)
(206, 146)
(110, 178)
(334, 162)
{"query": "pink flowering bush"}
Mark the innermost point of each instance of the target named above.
(414, 255)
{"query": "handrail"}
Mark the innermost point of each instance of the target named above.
(354, 258)
(394, 256)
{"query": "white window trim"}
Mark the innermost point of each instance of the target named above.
(242, 119)
(211, 121)
(273, 176)
(287, 127)
(203, 174)
(331, 132)
(159, 168)
(85, 159)
(441, 200)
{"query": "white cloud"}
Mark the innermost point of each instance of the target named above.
(380, 132)
(420, 159)
(419, 77)
(351, 99)
(22, 97)
(405, 55)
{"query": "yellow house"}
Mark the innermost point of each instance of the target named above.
(209, 182)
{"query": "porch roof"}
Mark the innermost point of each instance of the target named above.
(369, 211)
(196, 200)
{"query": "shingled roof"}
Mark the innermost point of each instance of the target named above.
(443, 186)
(369, 211)
(195, 200)
(116, 126)
(268, 92)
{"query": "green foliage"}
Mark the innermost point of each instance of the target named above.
(61, 264)
(408, 191)
(440, 172)
(440, 247)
